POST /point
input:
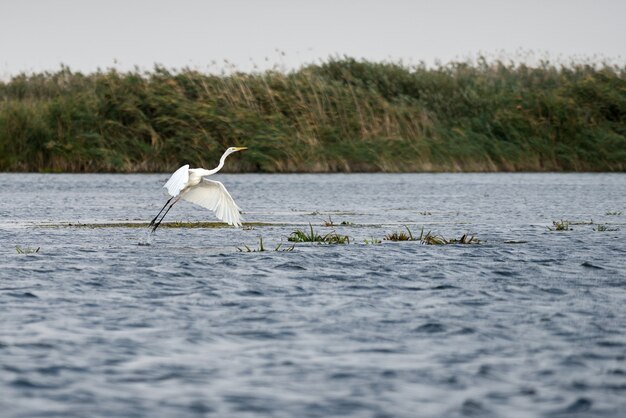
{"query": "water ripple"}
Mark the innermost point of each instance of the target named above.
(96, 325)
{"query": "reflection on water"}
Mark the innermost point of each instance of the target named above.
(528, 323)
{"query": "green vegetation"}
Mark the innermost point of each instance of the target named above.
(372, 241)
(401, 235)
(311, 236)
(465, 239)
(560, 226)
(613, 213)
(329, 222)
(262, 248)
(429, 238)
(605, 228)
(26, 250)
(341, 115)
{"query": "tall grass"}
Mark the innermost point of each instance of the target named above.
(341, 115)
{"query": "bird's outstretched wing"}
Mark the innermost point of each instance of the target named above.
(213, 195)
(178, 181)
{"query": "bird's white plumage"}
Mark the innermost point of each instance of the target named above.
(178, 181)
(189, 184)
(214, 196)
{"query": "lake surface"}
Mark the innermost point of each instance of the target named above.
(528, 323)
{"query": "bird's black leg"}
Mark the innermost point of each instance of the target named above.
(155, 218)
(156, 225)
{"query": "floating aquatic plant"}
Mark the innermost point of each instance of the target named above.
(560, 226)
(284, 250)
(311, 236)
(26, 250)
(605, 228)
(329, 222)
(429, 238)
(401, 235)
(613, 213)
(372, 241)
(465, 239)
(262, 248)
(397, 236)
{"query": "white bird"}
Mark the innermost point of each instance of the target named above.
(188, 184)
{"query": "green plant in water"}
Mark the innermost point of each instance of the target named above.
(247, 249)
(335, 238)
(401, 235)
(347, 223)
(605, 228)
(465, 239)
(26, 250)
(372, 241)
(284, 250)
(560, 226)
(613, 213)
(311, 236)
(429, 238)
(261, 248)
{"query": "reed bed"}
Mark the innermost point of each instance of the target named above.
(342, 115)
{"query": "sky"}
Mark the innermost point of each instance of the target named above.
(214, 35)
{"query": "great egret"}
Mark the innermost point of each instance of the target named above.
(189, 184)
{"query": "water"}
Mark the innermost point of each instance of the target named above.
(529, 323)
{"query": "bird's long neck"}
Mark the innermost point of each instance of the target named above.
(216, 169)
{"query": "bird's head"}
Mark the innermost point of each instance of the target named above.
(234, 149)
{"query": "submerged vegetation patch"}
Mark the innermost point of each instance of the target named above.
(401, 235)
(560, 226)
(261, 248)
(340, 115)
(429, 238)
(566, 225)
(606, 228)
(372, 241)
(328, 222)
(311, 236)
(26, 250)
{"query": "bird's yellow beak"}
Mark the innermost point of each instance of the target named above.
(240, 148)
